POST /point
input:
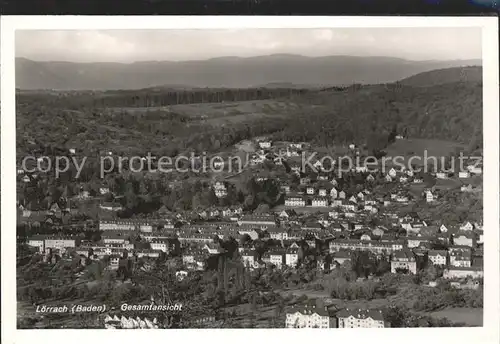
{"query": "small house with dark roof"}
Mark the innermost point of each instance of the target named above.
(438, 257)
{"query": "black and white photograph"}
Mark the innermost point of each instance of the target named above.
(251, 177)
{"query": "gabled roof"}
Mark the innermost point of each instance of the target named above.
(359, 313)
(468, 235)
(310, 309)
(434, 253)
(460, 268)
(342, 254)
(403, 254)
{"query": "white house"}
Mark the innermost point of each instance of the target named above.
(464, 240)
(467, 226)
(296, 145)
(295, 201)
(276, 258)
(320, 202)
(249, 258)
(220, 189)
(441, 175)
(403, 259)
(103, 190)
(365, 237)
(37, 241)
(437, 257)
(333, 193)
(265, 144)
(160, 245)
(463, 272)
(309, 316)
(466, 188)
(464, 174)
(460, 259)
(292, 257)
(360, 318)
(318, 164)
(429, 197)
(475, 169)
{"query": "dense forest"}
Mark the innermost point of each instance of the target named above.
(153, 97)
(450, 112)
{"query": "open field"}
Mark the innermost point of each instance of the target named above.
(219, 113)
(212, 110)
(469, 316)
(422, 148)
(246, 146)
(264, 316)
(312, 294)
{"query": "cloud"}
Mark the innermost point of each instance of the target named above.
(140, 45)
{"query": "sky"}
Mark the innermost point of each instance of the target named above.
(149, 45)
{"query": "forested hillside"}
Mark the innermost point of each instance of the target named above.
(362, 114)
(444, 76)
(451, 112)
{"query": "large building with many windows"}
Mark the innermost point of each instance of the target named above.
(295, 201)
(372, 246)
(360, 318)
(309, 316)
(438, 257)
(403, 260)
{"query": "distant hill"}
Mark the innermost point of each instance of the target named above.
(444, 76)
(232, 72)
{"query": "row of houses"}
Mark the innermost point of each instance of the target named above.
(360, 201)
(312, 316)
(145, 226)
(46, 242)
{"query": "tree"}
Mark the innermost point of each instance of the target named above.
(245, 239)
(249, 202)
(392, 135)
(320, 303)
(262, 209)
(430, 273)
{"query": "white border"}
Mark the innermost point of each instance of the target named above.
(489, 333)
